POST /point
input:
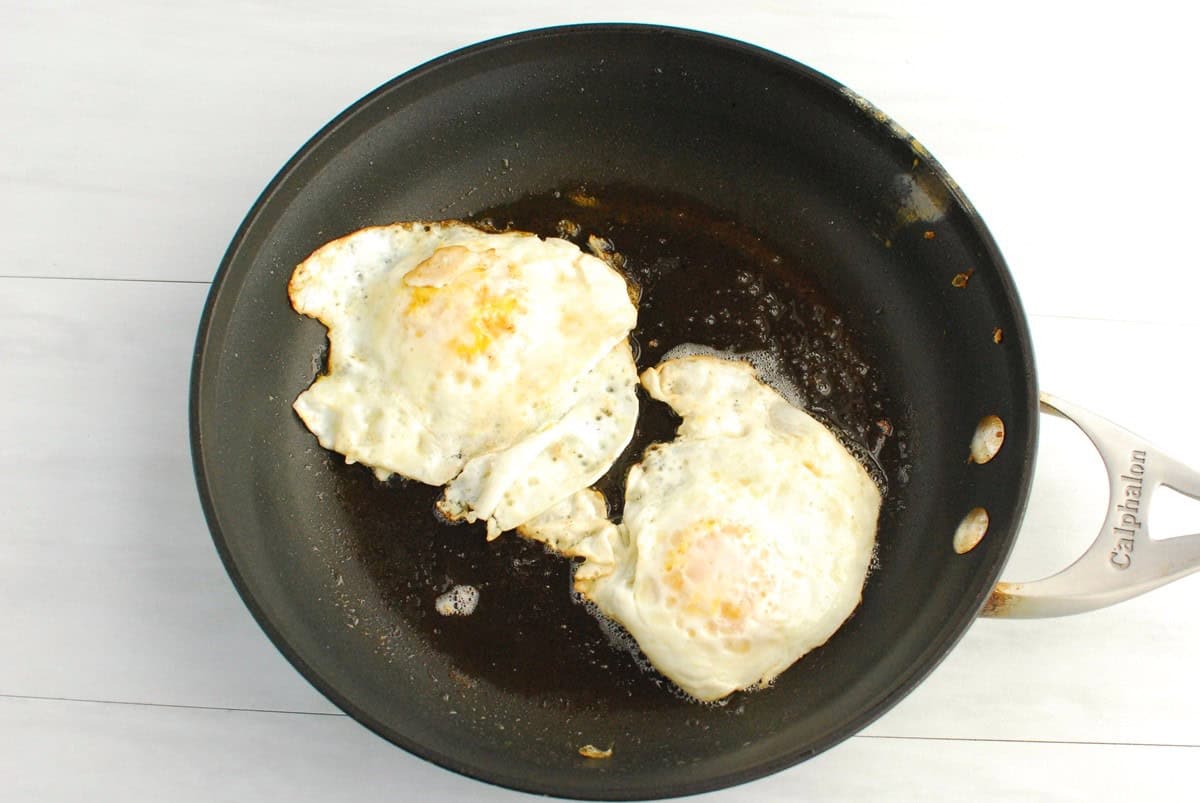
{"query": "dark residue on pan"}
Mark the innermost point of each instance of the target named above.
(702, 278)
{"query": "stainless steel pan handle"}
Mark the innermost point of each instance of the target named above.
(1123, 561)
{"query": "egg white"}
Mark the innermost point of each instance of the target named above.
(745, 541)
(458, 353)
(506, 488)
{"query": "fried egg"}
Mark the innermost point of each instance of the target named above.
(496, 362)
(745, 541)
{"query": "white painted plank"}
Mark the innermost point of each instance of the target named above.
(1138, 375)
(112, 589)
(143, 123)
(1119, 674)
(64, 751)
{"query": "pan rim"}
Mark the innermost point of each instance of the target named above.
(937, 647)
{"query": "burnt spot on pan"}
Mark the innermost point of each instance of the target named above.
(1002, 600)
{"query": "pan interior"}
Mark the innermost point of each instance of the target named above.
(728, 178)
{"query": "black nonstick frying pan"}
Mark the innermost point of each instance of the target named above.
(759, 205)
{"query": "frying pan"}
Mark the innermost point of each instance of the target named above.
(758, 205)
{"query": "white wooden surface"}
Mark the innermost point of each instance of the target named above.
(135, 135)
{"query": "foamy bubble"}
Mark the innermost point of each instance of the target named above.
(458, 601)
(874, 565)
(866, 458)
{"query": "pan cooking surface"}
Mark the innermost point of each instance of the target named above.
(703, 279)
(757, 205)
(708, 279)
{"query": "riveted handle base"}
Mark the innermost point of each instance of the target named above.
(1123, 561)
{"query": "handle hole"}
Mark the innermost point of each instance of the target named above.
(1171, 514)
(1066, 505)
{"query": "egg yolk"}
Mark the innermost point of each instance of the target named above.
(492, 317)
(458, 279)
(715, 572)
